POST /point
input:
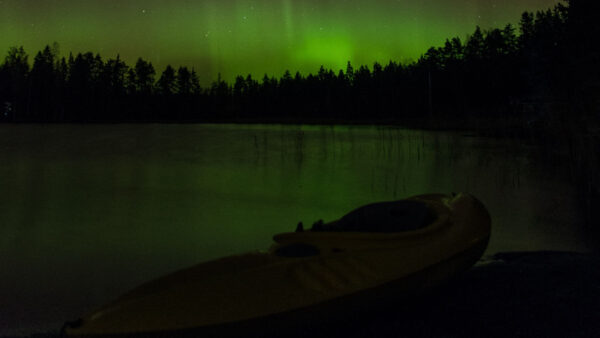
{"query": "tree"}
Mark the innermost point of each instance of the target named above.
(195, 83)
(239, 87)
(350, 73)
(144, 76)
(43, 65)
(111, 88)
(16, 61)
(527, 29)
(433, 59)
(130, 82)
(42, 93)
(166, 83)
(363, 76)
(286, 80)
(183, 83)
(13, 83)
(84, 86)
(474, 48)
(377, 70)
(583, 50)
(511, 41)
(113, 75)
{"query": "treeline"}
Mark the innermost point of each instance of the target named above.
(549, 64)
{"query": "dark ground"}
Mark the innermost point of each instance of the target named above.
(529, 294)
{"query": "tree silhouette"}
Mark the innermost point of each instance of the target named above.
(143, 77)
(43, 81)
(112, 76)
(111, 88)
(82, 85)
(548, 69)
(581, 43)
(13, 84)
(183, 82)
(166, 84)
(475, 45)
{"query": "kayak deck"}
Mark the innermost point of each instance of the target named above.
(346, 269)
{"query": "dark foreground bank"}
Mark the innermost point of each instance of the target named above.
(545, 294)
(532, 294)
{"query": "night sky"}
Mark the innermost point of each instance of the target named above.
(251, 36)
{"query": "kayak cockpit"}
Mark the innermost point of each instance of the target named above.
(395, 216)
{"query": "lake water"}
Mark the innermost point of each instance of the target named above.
(90, 211)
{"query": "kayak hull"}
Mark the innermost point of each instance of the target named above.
(262, 292)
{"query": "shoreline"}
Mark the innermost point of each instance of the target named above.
(487, 126)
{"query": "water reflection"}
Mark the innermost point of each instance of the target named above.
(94, 210)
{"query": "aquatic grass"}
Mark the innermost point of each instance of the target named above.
(561, 139)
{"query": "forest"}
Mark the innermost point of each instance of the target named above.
(546, 69)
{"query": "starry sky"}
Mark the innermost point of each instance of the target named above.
(234, 37)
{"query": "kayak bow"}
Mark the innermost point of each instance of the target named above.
(380, 251)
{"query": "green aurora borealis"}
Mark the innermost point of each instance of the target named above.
(251, 36)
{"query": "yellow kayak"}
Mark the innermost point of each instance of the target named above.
(383, 250)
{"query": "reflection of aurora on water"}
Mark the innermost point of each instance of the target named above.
(243, 36)
(95, 210)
